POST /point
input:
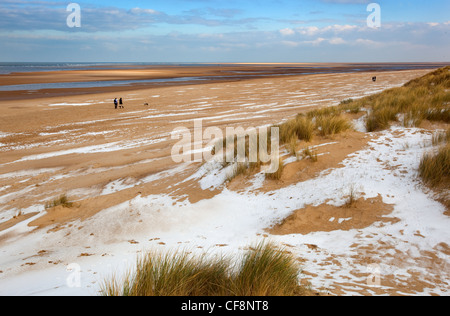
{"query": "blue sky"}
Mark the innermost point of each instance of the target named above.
(225, 31)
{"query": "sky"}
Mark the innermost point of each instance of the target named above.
(213, 31)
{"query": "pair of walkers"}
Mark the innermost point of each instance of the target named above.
(118, 103)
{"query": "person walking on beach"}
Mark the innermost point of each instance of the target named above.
(115, 103)
(121, 103)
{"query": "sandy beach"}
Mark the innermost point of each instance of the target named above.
(134, 77)
(129, 195)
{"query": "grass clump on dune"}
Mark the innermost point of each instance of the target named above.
(174, 274)
(264, 270)
(351, 106)
(326, 121)
(62, 200)
(301, 128)
(278, 173)
(441, 137)
(435, 168)
(332, 125)
(310, 153)
(380, 118)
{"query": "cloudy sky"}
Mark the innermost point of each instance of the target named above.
(225, 31)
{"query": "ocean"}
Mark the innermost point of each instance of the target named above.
(8, 68)
(19, 67)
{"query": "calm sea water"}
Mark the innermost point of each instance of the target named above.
(7, 68)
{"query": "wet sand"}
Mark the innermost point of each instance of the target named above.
(164, 74)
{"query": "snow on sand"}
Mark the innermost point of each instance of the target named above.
(337, 261)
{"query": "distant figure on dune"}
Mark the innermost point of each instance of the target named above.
(115, 103)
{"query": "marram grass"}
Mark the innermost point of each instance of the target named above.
(435, 168)
(332, 125)
(264, 270)
(62, 200)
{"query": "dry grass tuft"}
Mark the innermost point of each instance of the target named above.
(277, 174)
(62, 200)
(309, 153)
(265, 270)
(332, 125)
(301, 128)
(435, 168)
(352, 197)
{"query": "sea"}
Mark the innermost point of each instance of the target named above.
(19, 67)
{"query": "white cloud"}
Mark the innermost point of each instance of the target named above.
(291, 43)
(341, 28)
(309, 30)
(287, 32)
(337, 41)
(143, 11)
(314, 30)
(316, 41)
